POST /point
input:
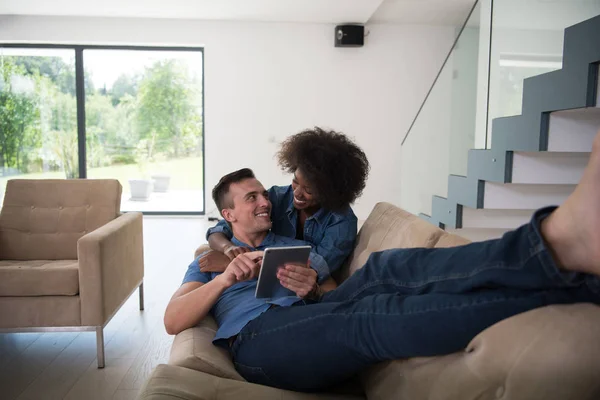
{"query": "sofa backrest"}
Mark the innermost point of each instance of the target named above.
(43, 219)
(389, 227)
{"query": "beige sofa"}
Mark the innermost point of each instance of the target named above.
(551, 353)
(68, 258)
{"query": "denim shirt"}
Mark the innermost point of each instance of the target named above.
(331, 234)
(238, 305)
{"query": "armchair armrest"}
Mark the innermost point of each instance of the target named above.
(111, 266)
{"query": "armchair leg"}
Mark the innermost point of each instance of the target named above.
(100, 345)
(141, 291)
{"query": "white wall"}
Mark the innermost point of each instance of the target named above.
(265, 81)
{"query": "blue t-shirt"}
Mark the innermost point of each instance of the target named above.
(331, 234)
(237, 305)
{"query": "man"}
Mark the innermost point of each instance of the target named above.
(243, 202)
(403, 302)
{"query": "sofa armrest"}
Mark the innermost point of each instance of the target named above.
(549, 353)
(203, 248)
(178, 383)
(194, 349)
(111, 266)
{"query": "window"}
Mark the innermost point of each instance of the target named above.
(129, 113)
(38, 114)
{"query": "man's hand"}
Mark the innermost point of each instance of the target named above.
(300, 279)
(233, 251)
(213, 261)
(244, 267)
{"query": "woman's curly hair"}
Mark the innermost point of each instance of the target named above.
(335, 166)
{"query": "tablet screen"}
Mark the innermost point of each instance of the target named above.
(274, 258)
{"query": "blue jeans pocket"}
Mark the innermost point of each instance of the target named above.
(253, 374)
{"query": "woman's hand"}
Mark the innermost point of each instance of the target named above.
(233, 251)
(213, 261)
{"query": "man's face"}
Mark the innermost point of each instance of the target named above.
(251, 212)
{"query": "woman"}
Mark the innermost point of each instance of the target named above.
(329, 173)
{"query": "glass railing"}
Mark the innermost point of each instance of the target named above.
(502, 43)
(527, 40)
(445, 127)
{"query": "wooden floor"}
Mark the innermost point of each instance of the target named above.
(53, 366)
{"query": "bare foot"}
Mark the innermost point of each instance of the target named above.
(573, 230)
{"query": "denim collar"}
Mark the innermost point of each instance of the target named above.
(268, 240)
(319, 216)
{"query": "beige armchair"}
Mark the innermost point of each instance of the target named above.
(68, 258)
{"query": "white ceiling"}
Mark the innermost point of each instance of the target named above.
(429, 12)
(319, 11)
(313, 11)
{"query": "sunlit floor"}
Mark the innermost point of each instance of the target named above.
(172, 201)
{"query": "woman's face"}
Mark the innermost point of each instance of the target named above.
(304, 198)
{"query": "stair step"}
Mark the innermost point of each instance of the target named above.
(489, 165)
(581, 43)
(570, 131)
(427, 218)
(465, 191)
(524, 196)
(446, 212)
(548, 167)
(573, 130)
(477, 234)
(556, 90)
(497, 219)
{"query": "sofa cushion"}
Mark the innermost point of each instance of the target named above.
(193, 349)
(39, 311)
(509, 360)
(172, 382)
(389, 227)
(43, 219)
(450, 240)
(39, 278)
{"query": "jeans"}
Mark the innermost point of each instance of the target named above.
(407, 303)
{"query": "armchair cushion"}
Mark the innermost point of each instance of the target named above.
(43, 219)
(39, 278)
(36, 311)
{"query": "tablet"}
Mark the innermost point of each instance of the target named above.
(275, 257)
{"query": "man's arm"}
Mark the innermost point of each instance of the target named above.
(193, 300)
(190, 303)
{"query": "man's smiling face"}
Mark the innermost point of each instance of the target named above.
(251, 211)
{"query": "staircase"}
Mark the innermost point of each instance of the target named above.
(536, 158)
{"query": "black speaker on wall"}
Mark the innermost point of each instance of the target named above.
(349, 35)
